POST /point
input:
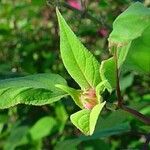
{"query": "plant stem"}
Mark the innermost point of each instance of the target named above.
(120, 100)
(135, 113)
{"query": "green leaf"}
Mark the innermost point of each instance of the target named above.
(85, 120)
(127, 27)
(130, 24)
(122, 54)
(107, 125)
(100, 89)
(42, 128)
(79, 62)
(126, 81)
(107, 72)
(138, 58)
(16, 137)
(33, 90)
(62, 119)
(113, 130)
(115, 118)
(75, 94)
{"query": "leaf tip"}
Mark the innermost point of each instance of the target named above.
(58, 13)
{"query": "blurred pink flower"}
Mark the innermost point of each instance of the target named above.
(103, 32)
(75, 4)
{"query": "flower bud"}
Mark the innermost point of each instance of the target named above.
(89, 99)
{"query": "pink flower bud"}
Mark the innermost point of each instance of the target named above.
(75, 4)
(89, 99)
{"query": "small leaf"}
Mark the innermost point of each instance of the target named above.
(126, 81)
(122, 53)
(85, 120)
(62, 119)
(75, 94)
(32, 90)
(107, 72)
(81, 120)
(94, 116)
(100, 89)
(42, 128)
(79, 62)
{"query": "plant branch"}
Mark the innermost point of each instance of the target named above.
(135, 113)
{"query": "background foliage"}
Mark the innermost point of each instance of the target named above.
(29, 44)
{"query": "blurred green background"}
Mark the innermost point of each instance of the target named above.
(29, 44)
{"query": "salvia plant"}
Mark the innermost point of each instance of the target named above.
(129, 49)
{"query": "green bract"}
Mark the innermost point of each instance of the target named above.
(85, 119)
(107, 72)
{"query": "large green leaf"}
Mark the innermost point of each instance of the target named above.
(130, 24)
(34, 89)
(79, 62)
(138, 57)
(107, 72)
(85, 120)
(127, 27)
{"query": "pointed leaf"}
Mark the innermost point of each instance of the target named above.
(107, 72)
(85, 120)
(94, 116)
(33, 90)
(79, 62)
